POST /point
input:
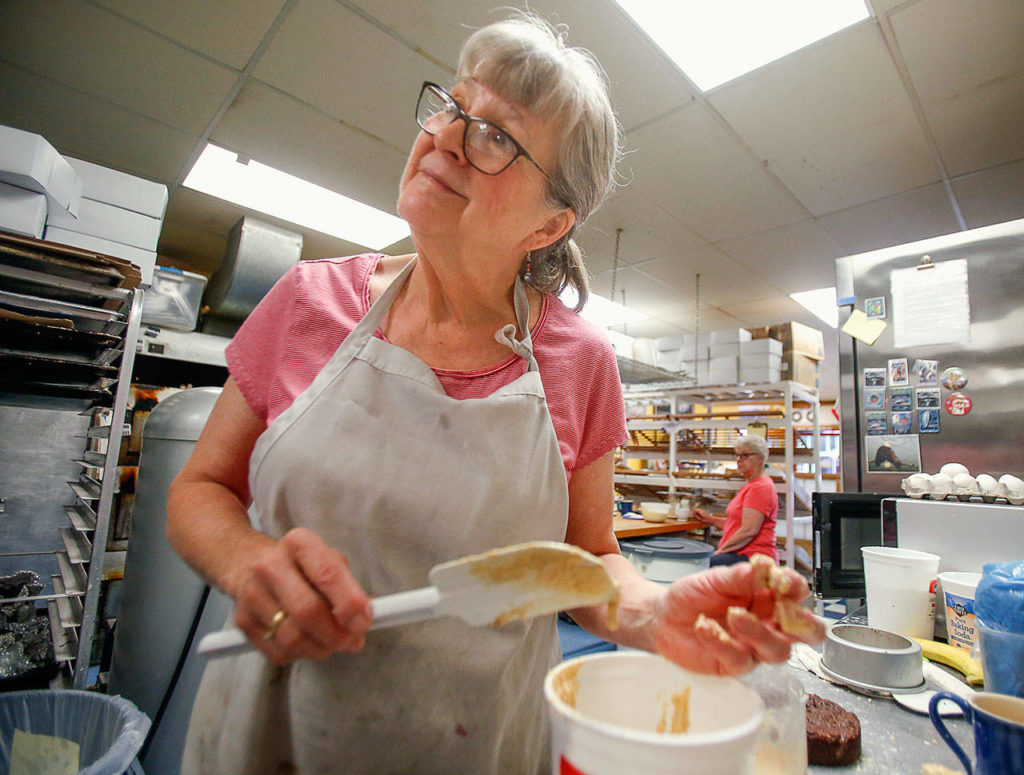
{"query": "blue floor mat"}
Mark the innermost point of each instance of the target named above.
(576, 641)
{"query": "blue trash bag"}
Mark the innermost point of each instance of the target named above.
(109, 730)
(999, 598)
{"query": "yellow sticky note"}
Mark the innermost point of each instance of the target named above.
(43, 755)
(861, 327)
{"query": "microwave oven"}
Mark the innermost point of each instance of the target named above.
(965, 535)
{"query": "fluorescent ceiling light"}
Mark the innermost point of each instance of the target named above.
(714, 41)
(601, 311)
(821, 302)
(223, 174)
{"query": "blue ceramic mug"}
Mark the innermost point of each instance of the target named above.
(998, 722)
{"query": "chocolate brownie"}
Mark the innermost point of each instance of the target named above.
(833, 733)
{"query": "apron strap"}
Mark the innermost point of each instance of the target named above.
(505, 335)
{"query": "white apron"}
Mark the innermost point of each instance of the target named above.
(389, 470)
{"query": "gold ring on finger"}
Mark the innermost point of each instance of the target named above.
(275, 622)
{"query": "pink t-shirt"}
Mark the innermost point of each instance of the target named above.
(759, 494)
(300, 323)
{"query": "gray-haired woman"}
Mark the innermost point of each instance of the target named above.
(375, 425)
(748, 526)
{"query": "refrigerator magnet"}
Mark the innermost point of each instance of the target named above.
(899, 372)
(893, 453)
(901, 400)
(874, 399)
(954, 378)
(874, 308)
(928, 420)
(928, 398)
(958, 404)
(876, 423)
(926, 372)
(874, 378)
(902, 422)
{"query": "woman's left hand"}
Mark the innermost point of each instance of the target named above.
(722, 621)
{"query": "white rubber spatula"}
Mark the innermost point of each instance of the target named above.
(496, 587)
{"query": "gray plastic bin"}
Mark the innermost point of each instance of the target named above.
(109, 730)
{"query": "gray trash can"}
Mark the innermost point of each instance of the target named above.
(109, 730)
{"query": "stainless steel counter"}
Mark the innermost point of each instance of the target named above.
(894, 740)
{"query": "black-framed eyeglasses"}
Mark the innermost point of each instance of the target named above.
(745, 455)
(487, 146)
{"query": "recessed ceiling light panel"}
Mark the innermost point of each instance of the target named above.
(714, 41)
(248, 183)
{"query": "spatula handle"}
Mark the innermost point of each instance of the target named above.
(400, 608)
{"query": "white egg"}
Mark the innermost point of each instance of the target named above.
(965, 484)
(952, 469)
(989, 486)
(939, 485)
(1010, 481)
(1014, 489)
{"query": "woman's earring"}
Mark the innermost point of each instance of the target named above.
(526, 272)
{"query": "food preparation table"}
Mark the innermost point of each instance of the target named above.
(633, 528)
(894, 740)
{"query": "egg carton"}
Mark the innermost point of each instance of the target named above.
(954, 481)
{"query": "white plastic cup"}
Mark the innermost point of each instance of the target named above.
(958, 593)
(900, 591)
(607, 709)
(782, 741)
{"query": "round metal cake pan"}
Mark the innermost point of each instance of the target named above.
(873, 659)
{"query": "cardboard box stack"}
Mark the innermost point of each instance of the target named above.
(787, 351)
(803, 349)
(36, 181)
(120, 215)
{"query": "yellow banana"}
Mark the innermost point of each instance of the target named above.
(957, 658)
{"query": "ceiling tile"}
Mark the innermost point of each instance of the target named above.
(280, 131)
(227, 30)
(953, 46)
(981, 128)
(967, 64)
(103, 55)
(695, 167)
(791, 258)
(85, 127)
(993, 196)
(320, 55)
(908, 217)
(721, 278)
(771, 311)
(833, 122)
(648, 231)
(643, 83)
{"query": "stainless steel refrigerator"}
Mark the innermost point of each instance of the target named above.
(933, 372)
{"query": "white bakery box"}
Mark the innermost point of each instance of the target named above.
(120, 215)
(34, 180)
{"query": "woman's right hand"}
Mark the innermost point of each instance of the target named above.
(326, 610)
(700, 514)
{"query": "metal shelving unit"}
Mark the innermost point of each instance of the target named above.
(69, 321)
(699, 429)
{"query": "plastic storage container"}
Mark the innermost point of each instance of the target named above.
(899, 590)
(665, 559)
(109, 731)
(630, 713)
(174, 299)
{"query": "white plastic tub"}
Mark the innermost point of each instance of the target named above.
(607, 709)
(899, 590)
